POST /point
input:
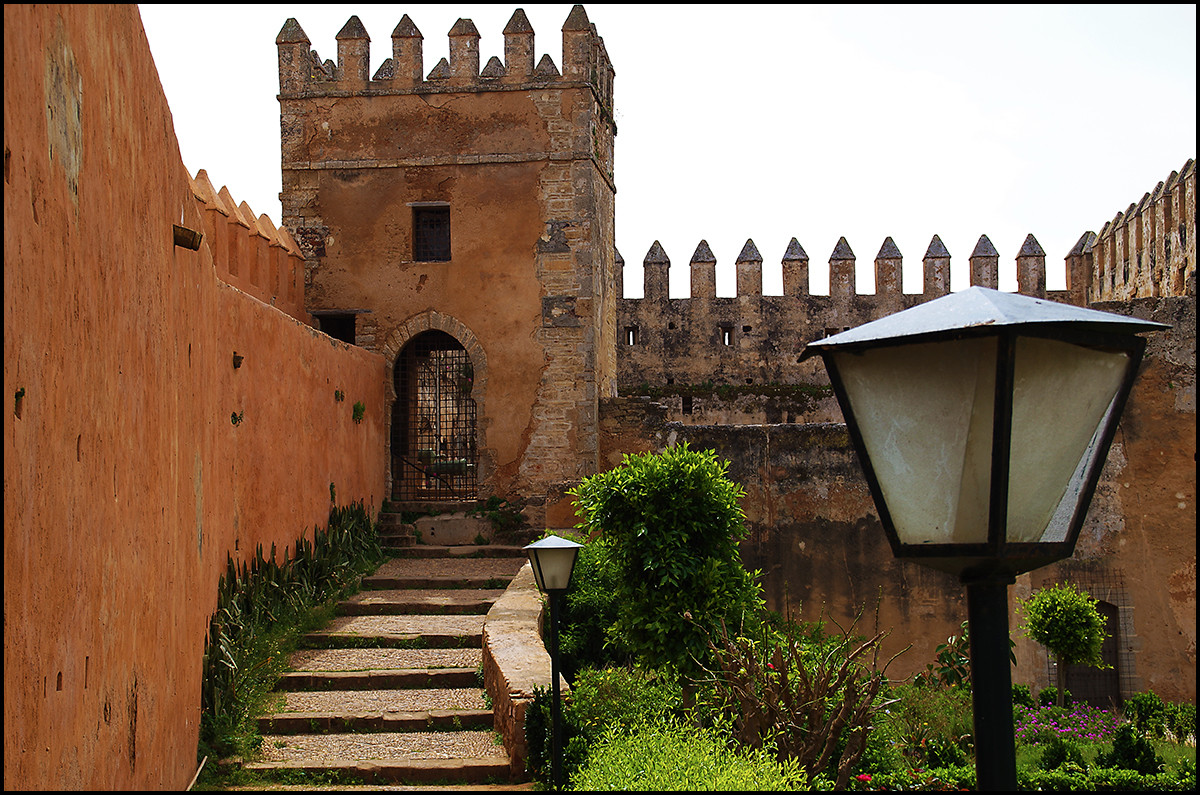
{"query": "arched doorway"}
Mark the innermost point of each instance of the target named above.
(1100, 687)
(434, 454)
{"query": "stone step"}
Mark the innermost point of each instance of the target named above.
(465, 551)
(324, 660)
(382, 770)
(489, 573)
(359, 702)
(342, 721)
(391, 631)
(412, 601)
(414, 678)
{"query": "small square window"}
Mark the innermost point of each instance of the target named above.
(337, 325)
(431, 234)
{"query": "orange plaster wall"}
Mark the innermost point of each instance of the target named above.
(126, 484)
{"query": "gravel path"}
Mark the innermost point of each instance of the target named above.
(405, 625)
(360, 701)
(451, 568)
(382, 745)
(384, 659)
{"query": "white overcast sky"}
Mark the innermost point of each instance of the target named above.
(777, 121)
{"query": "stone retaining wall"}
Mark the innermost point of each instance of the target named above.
(515, 661)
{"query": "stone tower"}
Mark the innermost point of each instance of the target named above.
(460, 223)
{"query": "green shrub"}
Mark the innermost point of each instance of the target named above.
(588, 638)
(258, 603)
(1131, 751)
(953, 663)
(621, 697)
(1147, 712)
(932, 728)
(600, 700)
(814, 702)
(1048, 697)
(1021, 697)
(674, 523)
(539, 742)
(668, 756)
(1181, 720)
(1058, 751)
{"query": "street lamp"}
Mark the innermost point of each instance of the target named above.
(982, 420)
(553, 561)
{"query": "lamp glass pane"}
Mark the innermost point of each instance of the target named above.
(553, 566)
(925, 415)
(1061, 393)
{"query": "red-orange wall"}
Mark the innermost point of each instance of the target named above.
(125, 482)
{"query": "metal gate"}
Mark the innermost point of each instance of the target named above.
(433, 421)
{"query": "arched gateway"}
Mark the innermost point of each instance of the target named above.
(433, 440)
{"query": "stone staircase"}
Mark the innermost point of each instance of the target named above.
(390, 691)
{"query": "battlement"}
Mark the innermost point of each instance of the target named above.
(935, 265)
(251, 253)
(1148, 250)
(756, 339)
(302, 73)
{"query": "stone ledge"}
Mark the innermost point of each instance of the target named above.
(515, 661)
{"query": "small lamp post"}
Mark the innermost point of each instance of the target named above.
(982, 420)
(553, 561)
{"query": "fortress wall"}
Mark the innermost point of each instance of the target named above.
(816, 536)
(756, 339)
(1148, 250)
(126, 483)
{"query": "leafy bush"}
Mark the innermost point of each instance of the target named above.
(1131, 751)
(1067, 623)
(932, 728)
(663, 755)
(953, 663)
(601, 699)
(1058, 751)
(1048, 697)
(1181, 720)
(674, 523)
(1148, 713)
(1021, 697)
(588, 638)
(813, 704)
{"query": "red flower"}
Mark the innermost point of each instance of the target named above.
(864, 777)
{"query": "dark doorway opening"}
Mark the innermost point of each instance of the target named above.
(1100, 687)
(433, 421)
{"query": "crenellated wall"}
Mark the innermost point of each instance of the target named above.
(756, 339)
(815, 532)
(158, 418)
(1149, 250)
(250, 253)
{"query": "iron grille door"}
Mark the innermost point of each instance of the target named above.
(433, 423)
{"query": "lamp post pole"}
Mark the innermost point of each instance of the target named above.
(553, 562)
(555, 703)
(991, 683)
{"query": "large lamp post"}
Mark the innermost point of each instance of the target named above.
(553, 562)
(982, 420)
